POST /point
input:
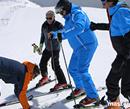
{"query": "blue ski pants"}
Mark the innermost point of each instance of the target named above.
(79, 66)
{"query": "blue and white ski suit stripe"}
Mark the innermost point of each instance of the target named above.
(84, 43)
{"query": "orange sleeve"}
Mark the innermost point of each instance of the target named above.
(28, 77)
(22, 96)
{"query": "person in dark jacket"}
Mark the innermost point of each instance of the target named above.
(52, 50)
(119, 27)
(19, 74)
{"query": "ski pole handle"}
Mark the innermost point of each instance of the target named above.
(36, 49)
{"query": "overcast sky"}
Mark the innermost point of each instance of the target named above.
(88, 3)
(94, 3)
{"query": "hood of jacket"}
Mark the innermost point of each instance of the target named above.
(73, 11)
(114, 9)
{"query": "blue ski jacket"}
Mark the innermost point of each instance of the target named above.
(77, 28)
(120, 22)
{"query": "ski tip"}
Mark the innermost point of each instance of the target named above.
(52, 90)
(37, 85)
(30, 97)
(69, 97)
(2, 104)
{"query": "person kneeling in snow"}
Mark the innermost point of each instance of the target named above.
(19, 74)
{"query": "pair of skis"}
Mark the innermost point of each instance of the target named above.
(50, 92)
(72, 97)
(32, 96)
(66, 100)
(101, 103)
(38, 86)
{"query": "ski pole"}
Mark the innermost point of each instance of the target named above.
(53, 64)
(60, 37)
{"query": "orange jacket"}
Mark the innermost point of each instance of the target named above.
(28, 77)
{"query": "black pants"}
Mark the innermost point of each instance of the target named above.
(120, 69)
(46, 55)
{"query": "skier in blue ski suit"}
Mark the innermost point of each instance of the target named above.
(84, 43)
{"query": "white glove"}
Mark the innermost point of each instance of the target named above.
(37, 49)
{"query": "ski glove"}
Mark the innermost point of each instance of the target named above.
(55, 35)
(93, 26)
(99, 26)
(35, 47)
(40, 49)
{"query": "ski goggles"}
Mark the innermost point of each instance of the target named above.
(59, 10)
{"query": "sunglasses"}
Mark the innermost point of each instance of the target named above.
(49, 18)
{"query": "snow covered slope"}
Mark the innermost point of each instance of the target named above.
(20, 25)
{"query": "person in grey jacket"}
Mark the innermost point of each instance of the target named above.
(52, 49)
